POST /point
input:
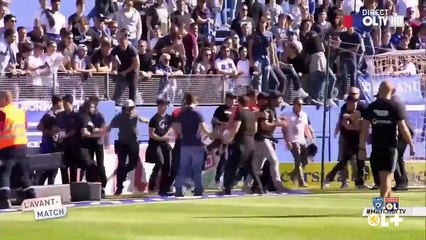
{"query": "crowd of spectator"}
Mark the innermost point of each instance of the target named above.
(269, 43)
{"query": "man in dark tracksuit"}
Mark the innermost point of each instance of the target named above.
(68, 142)
(400, 174)
(159, 150)
(97, 149)
(49, 141)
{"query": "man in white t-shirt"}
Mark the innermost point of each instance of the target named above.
(226, 66)
(53, 21)
(297, 133)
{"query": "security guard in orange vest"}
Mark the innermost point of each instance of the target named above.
(13, 146)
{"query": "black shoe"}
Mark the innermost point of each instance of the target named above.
(165, 194)
(23, 195)
(375, 187)
(118, 192)
(5, 204)
(225, 192)
(400, 187)
(198, 194)
(179, 195)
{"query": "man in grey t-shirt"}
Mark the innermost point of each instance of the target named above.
(127, 144)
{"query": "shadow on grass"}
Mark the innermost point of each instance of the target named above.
(287, 216)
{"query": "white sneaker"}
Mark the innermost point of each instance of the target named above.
(302, 94)
(331, 103)
(326, 183)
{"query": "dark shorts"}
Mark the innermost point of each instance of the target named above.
(384, 159)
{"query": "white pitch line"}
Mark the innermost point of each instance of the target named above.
(157, 199)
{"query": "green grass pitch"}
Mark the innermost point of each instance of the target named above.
(326, 216)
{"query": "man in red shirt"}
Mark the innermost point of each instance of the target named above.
(252, 94)
(191, 47)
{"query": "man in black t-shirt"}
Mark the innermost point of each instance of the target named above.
(265, 141)
(49, 141)
(88, 136)
(242, 133)
(219, 123)
(159, 150)
(128, 67)
(349, 127)
(66, 121)
(101, 60)
(385, 118)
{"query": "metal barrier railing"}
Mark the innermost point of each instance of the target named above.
(210, 88)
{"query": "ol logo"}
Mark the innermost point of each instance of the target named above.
(378, 203)
(392, 203)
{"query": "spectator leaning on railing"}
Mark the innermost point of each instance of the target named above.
(101, 60)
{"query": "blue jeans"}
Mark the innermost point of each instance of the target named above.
(191, 164)
(293, 76)
(220, 16)
(232, 6)
(319, 79)
(261, 64)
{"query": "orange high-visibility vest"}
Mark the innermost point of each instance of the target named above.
(14, 130)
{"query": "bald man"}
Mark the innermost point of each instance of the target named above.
(14, 165)
(385, 118)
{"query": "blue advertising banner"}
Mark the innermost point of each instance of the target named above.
(408, 87)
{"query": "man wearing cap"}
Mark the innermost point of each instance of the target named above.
(385, 118)
(350, 126)
(159, 150)
(128, 69)
(265, 141)
(127, 145)
(358, 167)
(297, 133)
(220, 123)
